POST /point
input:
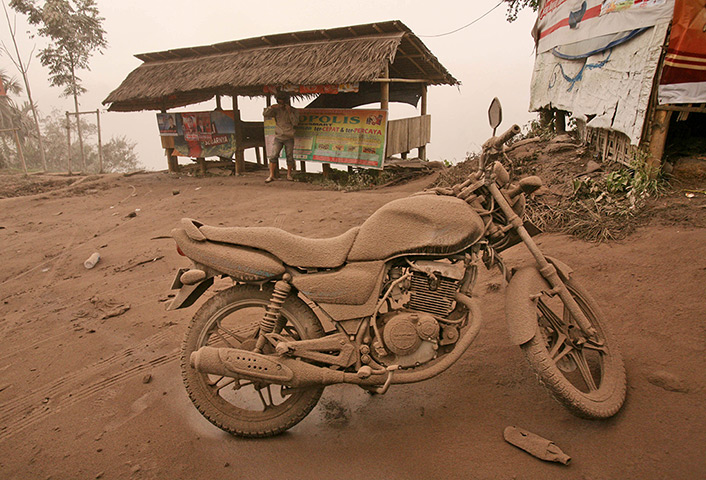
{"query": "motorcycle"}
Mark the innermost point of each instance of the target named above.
(398, 291)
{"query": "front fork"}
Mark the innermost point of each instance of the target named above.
(546, 269)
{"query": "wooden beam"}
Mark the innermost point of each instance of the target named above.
(682, 108)
(399, 80)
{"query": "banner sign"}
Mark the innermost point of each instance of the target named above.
(314, 89)
(343, 136)
(684, 74)
(199, 134)
(563, 22)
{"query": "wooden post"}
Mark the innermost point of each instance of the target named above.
(257, 155)
(326, 170)
(239, 151)
(302, 166)
(202, 165)
(422, 151)
(385, 89)
(19, 150)
(100, 145)
(68, 141)
(218, 102)
(658, 139)
(545, 117)
(172, 161)
(560, 122)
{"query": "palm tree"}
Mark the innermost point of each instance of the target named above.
(7, 106)
(11, 116)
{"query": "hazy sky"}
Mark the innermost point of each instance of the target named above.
(490, 58)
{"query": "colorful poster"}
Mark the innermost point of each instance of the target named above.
(200, 134)
(342, 136)
(563, 22)
(684, 74)
(167, 123)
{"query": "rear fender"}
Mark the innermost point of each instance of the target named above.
(521, 301)
(188, 294)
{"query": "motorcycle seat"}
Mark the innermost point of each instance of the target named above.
(292, 249)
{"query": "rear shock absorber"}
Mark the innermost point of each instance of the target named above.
(271, 318)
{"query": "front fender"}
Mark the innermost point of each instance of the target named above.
(521, 303)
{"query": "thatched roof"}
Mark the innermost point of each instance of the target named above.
(353, 54)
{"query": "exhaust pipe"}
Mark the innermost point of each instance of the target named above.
(232, 362)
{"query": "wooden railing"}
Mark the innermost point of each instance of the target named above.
(406, 134)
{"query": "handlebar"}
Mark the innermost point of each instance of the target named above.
(497, 142)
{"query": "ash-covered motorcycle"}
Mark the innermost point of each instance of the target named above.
(398, 292)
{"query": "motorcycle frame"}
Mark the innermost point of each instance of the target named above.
(492, 151)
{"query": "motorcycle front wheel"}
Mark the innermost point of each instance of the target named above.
(243, 407)
(586, 376)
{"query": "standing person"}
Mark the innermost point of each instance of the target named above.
(286, 118)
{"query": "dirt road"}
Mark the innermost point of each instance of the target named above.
(90, 384)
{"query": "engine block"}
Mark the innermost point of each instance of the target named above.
(433, 287)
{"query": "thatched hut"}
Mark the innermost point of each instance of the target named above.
(385, 61)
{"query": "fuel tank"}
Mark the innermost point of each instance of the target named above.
(423, 224)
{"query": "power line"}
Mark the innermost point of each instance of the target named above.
(465, 26)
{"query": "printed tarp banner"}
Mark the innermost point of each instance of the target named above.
(199, 134)
(314, 89)
(343, 136)
(563, 22)
(611, 89)
(684, 74)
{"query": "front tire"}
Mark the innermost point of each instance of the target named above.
(588, 378)
(240, 406)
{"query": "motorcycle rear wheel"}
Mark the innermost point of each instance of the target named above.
(587, 378)
(240, 406)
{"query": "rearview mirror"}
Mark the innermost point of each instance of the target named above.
(495, 114)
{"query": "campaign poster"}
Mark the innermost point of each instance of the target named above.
(167, 123)
(200, 134)
(342, 136)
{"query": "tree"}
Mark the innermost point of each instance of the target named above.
(11, 117)
(514, 7)
(75, 30)
(23, 70)
(119, 155)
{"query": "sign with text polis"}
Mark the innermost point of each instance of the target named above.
(344, 136)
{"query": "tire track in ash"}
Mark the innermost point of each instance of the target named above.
(21, 413)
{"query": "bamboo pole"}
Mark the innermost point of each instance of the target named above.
(239, 151)
(68, 142)
(385, 89)
(100, 144)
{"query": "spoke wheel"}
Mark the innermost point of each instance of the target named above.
(239, 405)
(584, 374)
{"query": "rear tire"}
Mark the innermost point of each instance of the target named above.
(244, 408)
(589, 379)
